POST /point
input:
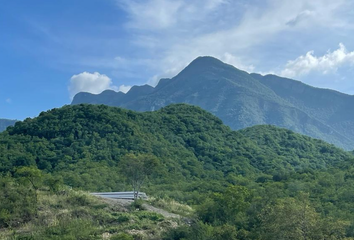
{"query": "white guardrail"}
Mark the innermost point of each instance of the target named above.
(120, 195)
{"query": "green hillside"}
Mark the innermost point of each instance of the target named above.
(191, 143)
(243, 100)
(241, 183)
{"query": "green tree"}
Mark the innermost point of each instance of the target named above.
(137, 168)
(290, 219)
(31, 175)
(226, 207)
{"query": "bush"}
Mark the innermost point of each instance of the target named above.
(137, 204)
(150, 215)
(122, 236)
(70, 229)
(123, 218)
(78, 199)
(18, 204)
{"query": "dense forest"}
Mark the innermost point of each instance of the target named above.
(262, 182)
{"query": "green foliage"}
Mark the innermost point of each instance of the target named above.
(70, 229)
(202, 231)
(243, 185)
(31, 174)
(122, 236)
(54, 183)
(137, 204)
(136, 168)
(242, 100)
(18, 203)
(76, 215)
(89, 148)
(227, 207)
(292, 218)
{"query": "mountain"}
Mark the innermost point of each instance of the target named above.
(4, 123)
(242, 100)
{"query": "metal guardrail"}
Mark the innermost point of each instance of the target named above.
(120, 195)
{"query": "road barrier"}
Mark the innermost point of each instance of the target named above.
(120, 195)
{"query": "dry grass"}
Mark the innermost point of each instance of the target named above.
(172, 206)
(92, 215)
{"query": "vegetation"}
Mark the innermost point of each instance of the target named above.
(248, 184)
(242, 100)
(136, 169)
(71, 215)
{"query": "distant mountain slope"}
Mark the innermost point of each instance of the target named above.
(328, 106)
(4, 123)
(242, 100)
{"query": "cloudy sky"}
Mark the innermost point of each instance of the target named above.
(50, 50)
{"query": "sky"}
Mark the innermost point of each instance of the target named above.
(51, 50)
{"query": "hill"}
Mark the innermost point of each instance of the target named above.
(4, 123)
(192, 143)
(242, 100)
(239, 182)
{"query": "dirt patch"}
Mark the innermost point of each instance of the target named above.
(124, 204)
(117, 205)
(160, 211)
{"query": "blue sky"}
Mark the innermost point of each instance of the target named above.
(50, 50)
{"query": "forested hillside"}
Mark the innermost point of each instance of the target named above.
(242, 100)
(243, 184)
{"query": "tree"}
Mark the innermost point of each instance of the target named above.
(32, 175)
(226, 207)
(290, 219)
(136, 169)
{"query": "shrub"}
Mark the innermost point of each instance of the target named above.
(137, 204)
(122, 236)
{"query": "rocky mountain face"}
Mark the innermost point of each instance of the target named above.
(4, 123)
(242, 100)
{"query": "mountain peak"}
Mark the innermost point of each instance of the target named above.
(207, 61)
(204, 64)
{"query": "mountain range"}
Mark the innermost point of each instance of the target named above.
(242, 100)
(4, 123)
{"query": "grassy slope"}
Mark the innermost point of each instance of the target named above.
(77, 215)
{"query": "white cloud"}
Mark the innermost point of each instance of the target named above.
(329, 62)
(8, 100)
(177, 31)
(231, 59)
(163, 36)
(90, 82)
(302, 16)
(153, 14)
(123, 88)
(166, 14)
